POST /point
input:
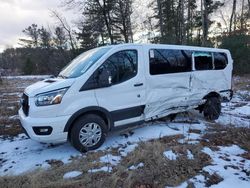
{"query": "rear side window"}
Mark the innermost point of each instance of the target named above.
(165, 61)
(203, 60)
(122, 65)
(220, 60)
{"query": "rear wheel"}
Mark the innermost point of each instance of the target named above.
(88, 132)
(212, 108)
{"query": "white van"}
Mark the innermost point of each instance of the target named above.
(124, 85)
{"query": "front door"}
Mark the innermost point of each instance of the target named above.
(124, 99)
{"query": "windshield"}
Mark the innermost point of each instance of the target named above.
(82, 63)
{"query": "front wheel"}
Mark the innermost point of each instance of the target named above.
(212, 108)
(88, 133)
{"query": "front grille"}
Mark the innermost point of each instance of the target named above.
(25, 104)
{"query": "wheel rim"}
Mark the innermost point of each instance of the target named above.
(90, 134)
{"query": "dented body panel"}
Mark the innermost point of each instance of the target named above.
(178, 92)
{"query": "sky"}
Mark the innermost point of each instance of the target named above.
(16, 15)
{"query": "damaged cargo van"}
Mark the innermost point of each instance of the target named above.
(123, 85)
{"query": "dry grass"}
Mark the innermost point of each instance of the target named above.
(218, 135)
(10, 92)
(241, 83)
(212, 179)
(157, 171)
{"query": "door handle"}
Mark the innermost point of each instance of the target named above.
(138, 84)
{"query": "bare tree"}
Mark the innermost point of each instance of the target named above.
(60, 38)
(64, 24)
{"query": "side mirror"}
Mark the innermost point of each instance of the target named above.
(104, 78)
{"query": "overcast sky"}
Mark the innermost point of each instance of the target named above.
(16, 15)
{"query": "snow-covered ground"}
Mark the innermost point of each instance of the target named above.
(20, 154)
(229, 165)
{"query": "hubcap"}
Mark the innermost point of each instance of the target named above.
(90, 134)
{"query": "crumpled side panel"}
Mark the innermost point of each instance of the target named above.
(179, 92)
(164, 92)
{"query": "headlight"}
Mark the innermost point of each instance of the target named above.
(50, 98)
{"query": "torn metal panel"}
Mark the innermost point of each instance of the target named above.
(166, 92)
(172, 93)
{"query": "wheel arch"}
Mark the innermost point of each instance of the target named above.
(212, 94)
(209, 95)
(103, 113)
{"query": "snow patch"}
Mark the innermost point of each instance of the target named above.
(230, 166)
(104, 169)
(72, 174)
(134, 167)
(170, 155)
(125, 150)
(190, 156)
(113, 160)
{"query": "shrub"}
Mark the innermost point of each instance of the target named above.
(239, 46)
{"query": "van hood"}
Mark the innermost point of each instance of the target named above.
(48, 85)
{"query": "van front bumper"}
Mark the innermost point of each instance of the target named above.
(57, 124)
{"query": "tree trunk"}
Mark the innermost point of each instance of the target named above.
(242, 15)
(183, 41)
(188, 22)
(160, 16)
(204, 12)
(232, 16)
(107, 19)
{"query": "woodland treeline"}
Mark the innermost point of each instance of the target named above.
(212, 23)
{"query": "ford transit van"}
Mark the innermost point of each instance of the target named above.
(123, 85)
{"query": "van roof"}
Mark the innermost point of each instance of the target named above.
(170, 46)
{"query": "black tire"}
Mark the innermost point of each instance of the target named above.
(79, 125)
(212, 108)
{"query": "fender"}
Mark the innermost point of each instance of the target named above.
(91, 109)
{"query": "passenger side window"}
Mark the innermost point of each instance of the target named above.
(122, 65)
(203, 60)
(165, 61)
(220, 60)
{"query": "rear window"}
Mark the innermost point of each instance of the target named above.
(203, 60)
(166, 61)
(220, 61)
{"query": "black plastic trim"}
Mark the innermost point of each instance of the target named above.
(113, 116)
(86, 110)
(127, 113)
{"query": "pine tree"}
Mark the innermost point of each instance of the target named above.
(28, 67)
(122, 21)
(88, 35)
(45, 37)
(33, 33)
